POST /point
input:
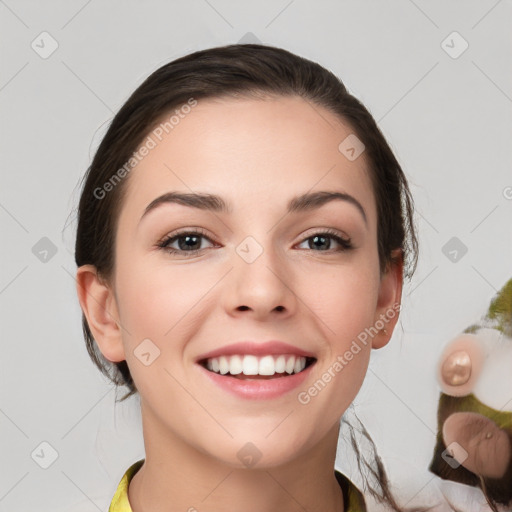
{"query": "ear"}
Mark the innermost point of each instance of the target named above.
(460, 364)
(99, 306)
(389, 299)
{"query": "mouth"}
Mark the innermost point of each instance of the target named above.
(251, 367)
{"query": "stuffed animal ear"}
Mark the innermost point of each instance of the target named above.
(478, 443)
(460, 364)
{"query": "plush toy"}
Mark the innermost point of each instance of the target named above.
(474, 417)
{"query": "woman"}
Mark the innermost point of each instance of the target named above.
(244, 231)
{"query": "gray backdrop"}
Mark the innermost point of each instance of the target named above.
(436, 76)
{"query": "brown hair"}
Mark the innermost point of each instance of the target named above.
(233, 71)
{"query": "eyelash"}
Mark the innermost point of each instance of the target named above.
(346, 244)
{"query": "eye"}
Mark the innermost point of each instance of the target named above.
(189, 242)
(323, 238)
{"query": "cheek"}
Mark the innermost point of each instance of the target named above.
(161, 309)
(156, 299)
(156, 311)
(344, 307)
(345, 301)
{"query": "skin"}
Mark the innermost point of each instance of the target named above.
(257, 154)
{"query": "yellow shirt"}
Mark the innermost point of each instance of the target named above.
(352, 496)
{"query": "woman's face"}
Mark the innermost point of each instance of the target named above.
(257, 274)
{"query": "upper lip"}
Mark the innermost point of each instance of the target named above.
(257, 349)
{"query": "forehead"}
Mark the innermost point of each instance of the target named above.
(267, 149)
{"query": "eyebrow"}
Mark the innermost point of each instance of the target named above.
(211, 202)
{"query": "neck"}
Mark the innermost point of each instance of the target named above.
(176, 477)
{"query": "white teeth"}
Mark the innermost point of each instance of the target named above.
(223, 365)
(250, 365)
(290, 365)
(267, 366)
(280, 364)
(253, 365)
(235, 365)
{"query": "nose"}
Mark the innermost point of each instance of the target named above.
(261, 288)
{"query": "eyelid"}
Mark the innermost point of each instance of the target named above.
(185, 231)
(329, 231)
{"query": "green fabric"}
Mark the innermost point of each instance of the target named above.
(352, 496)
(353, 499)
(470, 403)
(499, 314)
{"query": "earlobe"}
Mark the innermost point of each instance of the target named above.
(389, 300)
(99, 306)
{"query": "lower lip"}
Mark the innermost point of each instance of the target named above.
(264, 389)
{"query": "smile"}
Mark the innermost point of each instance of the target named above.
(253, 370)
(269, 366)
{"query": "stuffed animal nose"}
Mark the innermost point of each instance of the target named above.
(456, 369)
